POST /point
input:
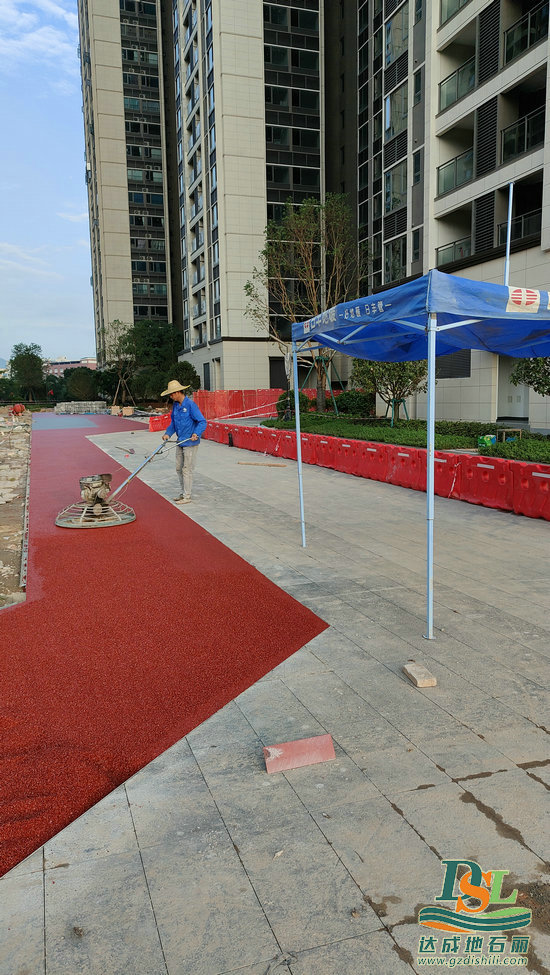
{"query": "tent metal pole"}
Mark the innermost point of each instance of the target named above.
(298, 441)
(430, 478)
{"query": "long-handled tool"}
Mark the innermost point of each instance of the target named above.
(98, 508)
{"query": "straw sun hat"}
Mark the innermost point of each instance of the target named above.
(174, 387)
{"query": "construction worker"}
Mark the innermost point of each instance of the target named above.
(188, 423)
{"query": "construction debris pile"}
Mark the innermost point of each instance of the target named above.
(15, 432)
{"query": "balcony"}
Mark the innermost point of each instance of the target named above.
(458, 84)
(522, 136)
(456, 172)
(454, 251)
(531, 29)
(527, 225)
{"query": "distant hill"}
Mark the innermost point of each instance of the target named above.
(3, 363)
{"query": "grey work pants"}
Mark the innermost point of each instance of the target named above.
(186, 458)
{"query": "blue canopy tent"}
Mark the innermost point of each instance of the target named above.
(433, 315)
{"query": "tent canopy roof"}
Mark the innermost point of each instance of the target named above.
(392, 325)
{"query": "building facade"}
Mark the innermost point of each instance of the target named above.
(452, 109)
(127, 158)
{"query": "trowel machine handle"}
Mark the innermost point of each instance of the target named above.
(146, 461)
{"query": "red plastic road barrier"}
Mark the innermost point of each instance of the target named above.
(327, 452)
(159, 422)
(288, 445)
(487, 481)
(273, 442)
(309, 448)
(531, 493)
(447, 474)
(405, 467)
(372, 461)
(346, 455)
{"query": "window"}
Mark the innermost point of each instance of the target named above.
(277, 136)
(306, 138)
(140, 267)
(304, 19)
(135, 175)
(395, 260)
(396, 112)
(418, 10)
(308, 100)
(397, 34)
(395, 187)
(305, 60)
(305, 177)
(278, 174)
(275, 15)
(417, 167)
(417, 87)
(131, 104)
(456, 365)
(278, 56)
(140, 289)
(415, 245)
(276, 96)
(159, 289)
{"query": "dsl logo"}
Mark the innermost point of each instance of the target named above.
(485, 887)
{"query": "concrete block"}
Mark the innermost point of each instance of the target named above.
(127, 410)
(115, 410)
(296, 754)
(419, 675)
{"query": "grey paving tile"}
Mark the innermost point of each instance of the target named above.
(375, 953)
(392, 864)
(276, 714)
(170, 800)
(99, 919)
(449, 820)
(208, 914)
(464, 755)
(22, 924)
(328, 784)
(518, 805)
(104, 829)
(399, 769)
(308, 895)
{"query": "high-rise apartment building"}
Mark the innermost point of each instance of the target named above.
(203, 118)
(452, 109)
(127, 91)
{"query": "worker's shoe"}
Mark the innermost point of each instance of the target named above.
(178, 499)
(184, 501)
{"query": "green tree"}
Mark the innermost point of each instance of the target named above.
(310, 261)
(147, 384)
(56, 388)
(185, 373)
(120, 357)
(155, 344)
(534, 373)
(391, 381)
(81, 383)
(27, 370)
(9, 390)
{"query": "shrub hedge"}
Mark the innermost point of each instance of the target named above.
(449, 435)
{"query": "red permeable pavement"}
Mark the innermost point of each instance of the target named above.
(130, 637)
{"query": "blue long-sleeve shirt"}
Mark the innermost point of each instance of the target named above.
(186, 419)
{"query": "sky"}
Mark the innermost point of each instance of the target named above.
(45, 293)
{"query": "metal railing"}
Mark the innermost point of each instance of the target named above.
(533, 27)
(455, 172)
(454, 251)
(526, 225)
(522, 136)
(458, 84)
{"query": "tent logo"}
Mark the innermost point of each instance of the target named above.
(484, 888)
(523, 299)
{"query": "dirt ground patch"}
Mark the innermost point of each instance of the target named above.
(15, 435)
